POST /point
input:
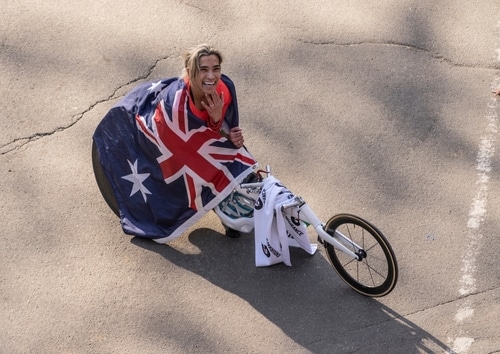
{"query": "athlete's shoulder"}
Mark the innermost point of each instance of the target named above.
(227, 80)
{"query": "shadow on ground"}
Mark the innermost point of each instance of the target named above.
(308, 295)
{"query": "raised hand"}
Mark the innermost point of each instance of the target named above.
(214, 105)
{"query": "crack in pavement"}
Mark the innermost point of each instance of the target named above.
(18, 143)
(194, 6)
(393, 316)
(433, 55)
(460, 298)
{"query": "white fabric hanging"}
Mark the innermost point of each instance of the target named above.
(274, 231)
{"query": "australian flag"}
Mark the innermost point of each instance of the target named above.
(165, 166)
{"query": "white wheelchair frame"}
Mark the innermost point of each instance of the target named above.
(368, 266)
(248, 193)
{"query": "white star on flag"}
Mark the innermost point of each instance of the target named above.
(154, 85)
(137, 179)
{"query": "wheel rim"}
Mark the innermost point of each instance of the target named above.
(102, 181)
(375, 274)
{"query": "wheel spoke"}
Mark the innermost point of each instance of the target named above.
(373, 275)
(370, 269)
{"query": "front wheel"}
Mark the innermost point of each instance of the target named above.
(376, 272)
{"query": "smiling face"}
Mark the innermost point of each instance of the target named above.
(207, 76)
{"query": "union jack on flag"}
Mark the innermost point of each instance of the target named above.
(165, 166)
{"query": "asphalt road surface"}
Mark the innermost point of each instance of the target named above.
(382, 109)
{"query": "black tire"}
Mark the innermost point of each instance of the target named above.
(102, 181)
(374, 275)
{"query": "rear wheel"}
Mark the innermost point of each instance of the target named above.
(376, 272)
(102, 181)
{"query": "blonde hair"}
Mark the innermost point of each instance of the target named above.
(192, 59)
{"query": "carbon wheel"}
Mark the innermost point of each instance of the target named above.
(376, 273)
